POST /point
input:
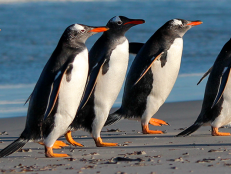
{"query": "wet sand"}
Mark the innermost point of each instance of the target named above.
(137, 153)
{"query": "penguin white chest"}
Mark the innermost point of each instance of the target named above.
(109, 84)
(225, 116)
(70, 93)
(72, 85)
(164, 76)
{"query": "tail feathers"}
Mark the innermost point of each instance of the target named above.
(190, 130)
(13, 147)
(114, 118)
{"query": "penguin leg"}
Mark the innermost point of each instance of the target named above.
(215, 132)
(97, 126)
(99, 143)
(157, 122)
(57, 145)
(49, 153)
(145, 120)
(71, 140)
(145, 130)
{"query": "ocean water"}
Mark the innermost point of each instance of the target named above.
(30, 32)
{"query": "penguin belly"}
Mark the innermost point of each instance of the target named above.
(225, 115)
(70, 94)
(164, 79)
(108, 86)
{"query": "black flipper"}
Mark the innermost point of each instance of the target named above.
(207, 73)
(114, 117)
(148, 66)
(134, 47)
(223, 82)
(55, 89)
(13, 147)
(190, 130)
(91, 82)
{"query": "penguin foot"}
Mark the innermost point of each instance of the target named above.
(71, 140)
(99, 143)
(157, 122)
(215, 132)
(146, 130)
(57, 145)
(49, 153)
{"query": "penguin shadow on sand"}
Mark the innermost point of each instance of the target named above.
(216, 104)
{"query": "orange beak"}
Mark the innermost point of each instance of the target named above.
(136, 22)
(99, 29)
(195, 23)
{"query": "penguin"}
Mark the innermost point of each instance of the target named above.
(216, 104)
(152, 74)
(108, 61)
(58, 92)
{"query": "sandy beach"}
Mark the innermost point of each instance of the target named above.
(137, 153)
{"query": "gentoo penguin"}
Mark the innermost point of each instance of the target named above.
(108, 60)
(152, 74)
(216, 105)
(58, 91)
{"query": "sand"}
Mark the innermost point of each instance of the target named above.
(137, 153)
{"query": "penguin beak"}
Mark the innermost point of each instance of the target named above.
(99, 29)
(135, 22)
(193, 23)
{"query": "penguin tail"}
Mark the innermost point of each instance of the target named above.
(114, 117)
(13, 147)
(190, 130)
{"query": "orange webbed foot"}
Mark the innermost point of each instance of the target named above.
(49, 153)
(71, 140)
(99, 143)
(57, 145)
(215, 132)
(145, 130)
(157, 122)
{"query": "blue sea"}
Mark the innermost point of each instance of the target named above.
(30, 31)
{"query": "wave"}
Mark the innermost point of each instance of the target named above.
(191, 75)
(13, 86)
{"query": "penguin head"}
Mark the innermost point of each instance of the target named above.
(121, 24)
(180, 26)
(79, 33)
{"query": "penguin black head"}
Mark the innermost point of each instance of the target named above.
(121, 24)
(79, 33)
(179, 27)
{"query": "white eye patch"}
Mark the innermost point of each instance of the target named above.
(176, 22)
(116, 19)
(77, 27)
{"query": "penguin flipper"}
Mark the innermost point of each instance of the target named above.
(206, 73)
(223, 81)
(134, 47)
(91, 82)
(28, 98)
(55, 91)
(13, 147)
(146, 68)
(190, 130)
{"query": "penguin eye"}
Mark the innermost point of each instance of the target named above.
(181, 25)
(119, 22)
(75, 33)
(82, 31)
